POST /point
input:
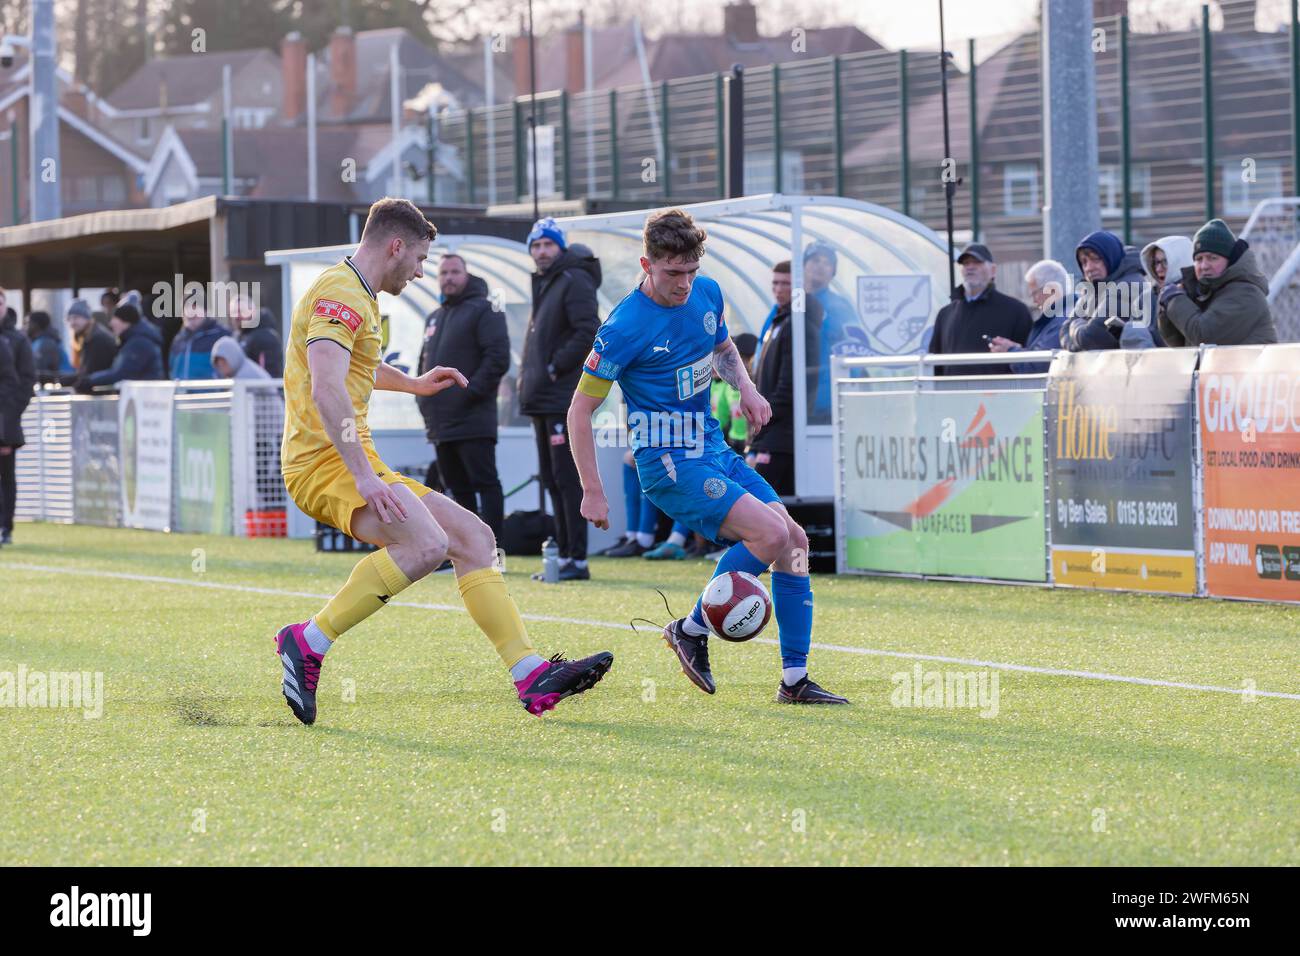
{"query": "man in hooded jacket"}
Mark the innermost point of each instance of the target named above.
(1114, 306)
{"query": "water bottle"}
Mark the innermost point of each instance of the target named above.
(550, 561)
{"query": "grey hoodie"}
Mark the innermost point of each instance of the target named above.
(230, 350)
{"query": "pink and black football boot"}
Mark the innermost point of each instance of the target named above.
(553, 680)
(301, 671)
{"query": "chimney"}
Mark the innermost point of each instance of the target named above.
(1238, 15)
(77, 99)
(740, 22)
(520, 57)
(343, 72)
(574, 75)
(1109, 8)
(293, 66)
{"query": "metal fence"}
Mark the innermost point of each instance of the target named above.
(1196, 118)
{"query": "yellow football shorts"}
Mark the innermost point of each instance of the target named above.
(325, 489)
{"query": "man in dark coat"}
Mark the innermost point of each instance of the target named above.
(17, 380)
(466, 333)
(560, 333)
(140, 356)
(771, 451)
(97, 345)
(977, 314)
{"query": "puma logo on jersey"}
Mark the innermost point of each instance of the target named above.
(661, 348)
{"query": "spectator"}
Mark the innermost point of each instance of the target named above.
(724, 399)
(771, 450)
(139, 357)
(96, 346)
(1046, 281)
(261, 342)
(24, 360)
(17, 379)
(47, 353)
(559, 337)
(1222, 299)
(977, 314)
(1163, 262)
(108, 301)
(820, 263)
(642, 516)
(12, 402)
(229, 361)
(191, 350)
(468, 334)
(1114, 307)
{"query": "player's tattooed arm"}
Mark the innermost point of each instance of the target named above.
(730, 368)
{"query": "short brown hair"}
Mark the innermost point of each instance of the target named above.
(401, 217)
(783, 267)
(672, 234)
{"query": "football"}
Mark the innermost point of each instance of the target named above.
(737, 606)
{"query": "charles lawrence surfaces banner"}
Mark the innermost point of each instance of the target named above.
(945, 483)
(1119, 438)
(1250, 442)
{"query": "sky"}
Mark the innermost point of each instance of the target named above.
(915, 23)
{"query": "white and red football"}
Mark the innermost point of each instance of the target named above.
(737, 606)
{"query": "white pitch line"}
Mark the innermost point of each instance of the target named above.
(869, 652)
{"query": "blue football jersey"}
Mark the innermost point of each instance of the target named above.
(662, 359)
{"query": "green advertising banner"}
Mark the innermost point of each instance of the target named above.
(945, 483)
(203, 471)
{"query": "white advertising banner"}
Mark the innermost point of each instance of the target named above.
(145, 412)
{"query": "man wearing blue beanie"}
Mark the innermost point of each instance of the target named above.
(559, 336)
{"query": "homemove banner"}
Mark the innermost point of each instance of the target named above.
(1120, 488)
(944, 483)
(1249, 398)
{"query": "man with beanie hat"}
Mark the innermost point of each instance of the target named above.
(96, 346)
(559, 336)
(139, 358)
(1114, 306)
(1222, 299)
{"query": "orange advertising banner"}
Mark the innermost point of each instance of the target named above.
(1249, 403)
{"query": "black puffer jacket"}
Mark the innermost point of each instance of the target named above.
(12, 399)
(467, 334)
(774, 377)
(560, 332)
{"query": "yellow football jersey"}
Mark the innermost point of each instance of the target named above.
(339, 306)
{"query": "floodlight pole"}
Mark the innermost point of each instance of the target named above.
(950, 181)
(532, 105)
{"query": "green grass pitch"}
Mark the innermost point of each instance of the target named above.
(197, 760)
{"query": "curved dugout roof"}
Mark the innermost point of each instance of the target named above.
(748, 236)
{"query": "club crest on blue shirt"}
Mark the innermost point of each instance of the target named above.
(710, 323)
(715, 487)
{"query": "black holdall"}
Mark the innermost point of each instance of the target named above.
(524, 531)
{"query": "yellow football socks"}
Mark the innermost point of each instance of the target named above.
(374, 580)
(494, 611)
